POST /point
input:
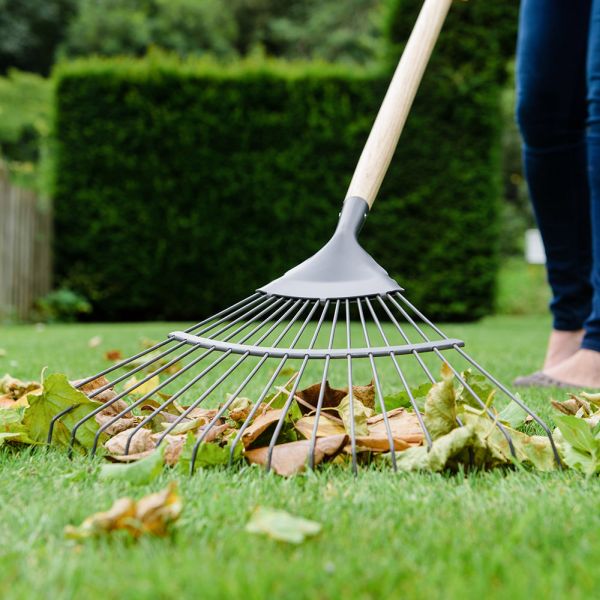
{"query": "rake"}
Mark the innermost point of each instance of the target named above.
(337, 314)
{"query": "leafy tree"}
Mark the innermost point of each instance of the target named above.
(131, 27)
(30, 31)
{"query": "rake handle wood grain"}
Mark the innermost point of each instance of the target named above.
(385, 133)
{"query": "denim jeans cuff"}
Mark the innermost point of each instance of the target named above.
(591, 343)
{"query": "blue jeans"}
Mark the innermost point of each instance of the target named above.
(558, 110)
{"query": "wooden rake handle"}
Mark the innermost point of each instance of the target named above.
(385, 133)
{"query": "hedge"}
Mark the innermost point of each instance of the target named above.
(183, 186)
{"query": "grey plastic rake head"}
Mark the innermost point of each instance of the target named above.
(337, 316)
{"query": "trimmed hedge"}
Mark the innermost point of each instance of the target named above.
(181, 187)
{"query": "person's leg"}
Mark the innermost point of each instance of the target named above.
(551, 111)
(584, 367)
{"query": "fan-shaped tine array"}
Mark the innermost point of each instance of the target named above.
(265, 334)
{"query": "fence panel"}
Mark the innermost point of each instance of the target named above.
(25, 249)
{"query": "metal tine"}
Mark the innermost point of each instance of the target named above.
(313, 437)
(227, 312)
(422, 334)
(157, 388)
(350, 392)
(267, 387)
(173, 361)
(514, 398)
(378, 386)
(220, 380)
(295, 385)
(248, 378)
(411, 398)
(406, 339)
(189, 385)
(487, 374)
(460, 378)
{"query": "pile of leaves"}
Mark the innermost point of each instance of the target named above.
(463, 434)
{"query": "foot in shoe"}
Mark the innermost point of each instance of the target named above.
(561, 346)
(582, 369)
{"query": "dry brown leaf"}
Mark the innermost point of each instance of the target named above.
(326, 426)
(365, 394)
(289, 459)
(261, 424)
(151, 514)
(113, 355)
(141, 442)
(6, 401)
(127, 421)
(14, 392)
(310, 396)
(403, 424)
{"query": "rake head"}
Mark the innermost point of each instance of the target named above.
(337, 317)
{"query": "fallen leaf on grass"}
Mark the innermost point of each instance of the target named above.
(260, 425)
(152, 514)
(440, 406)
(113, 355)
(291, 458)
(95, 341)
(360, 413)
(57, 395)
(579, 443)
(139, 472)
(141, 389)
(13, 392)
(308, 398)
(281, 525)
(326, 426)
(404, 427)
(141, 441)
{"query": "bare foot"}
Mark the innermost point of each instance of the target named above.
(582, 369)
(561, 346)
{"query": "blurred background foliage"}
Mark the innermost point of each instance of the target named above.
(35, 36)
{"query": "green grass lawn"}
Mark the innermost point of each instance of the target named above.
(385, 535)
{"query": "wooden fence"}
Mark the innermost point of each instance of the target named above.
(25, 249)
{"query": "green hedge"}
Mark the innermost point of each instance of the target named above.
(181, 187)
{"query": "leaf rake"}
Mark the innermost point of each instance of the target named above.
(336, 315)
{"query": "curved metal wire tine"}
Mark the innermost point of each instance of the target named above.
(110, 402)
(164, 383)
(411, 398)
(479, 401)
(425, 337)
(246, 302)
(146, 364)
(222, 411)
(229, 402)
(313, 436)
(386, 421)
(252, 413)
(292, 393)
(267, 387)
(197, 402)
(418, 313)
(514, 398)
(163, 406)
(169, 401)
(493, 379)
(406, 339)
(124, 393)
(285, 410)
(351, 393)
